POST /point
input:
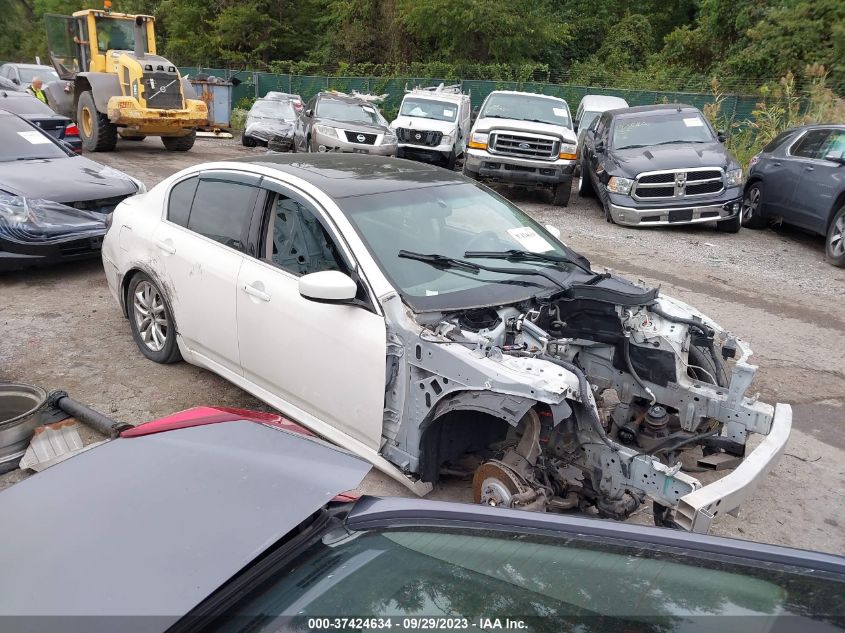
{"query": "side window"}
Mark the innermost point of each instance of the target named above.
(222, 211)
(835, 144)
(777, 141)
(297, 241)
(810, 145)
(181, 197)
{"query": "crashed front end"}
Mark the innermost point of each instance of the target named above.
(35, 232)
(277, 134)
(597, 400)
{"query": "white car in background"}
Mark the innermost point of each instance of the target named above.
(589, 109)
(425, 323)
(433, 125)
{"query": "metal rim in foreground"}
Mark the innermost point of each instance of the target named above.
(151, 316)
(837, 237)
(750, 204)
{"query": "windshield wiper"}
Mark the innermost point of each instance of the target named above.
(445, 262)
(515, 255)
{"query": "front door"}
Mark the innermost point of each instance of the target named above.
(783, 175)
(327, 360)
(199, 251)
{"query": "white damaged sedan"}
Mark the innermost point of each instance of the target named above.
(428, 325)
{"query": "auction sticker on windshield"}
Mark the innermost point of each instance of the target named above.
(530, 240)
(447, 112)
(36, 138)
(693, 122)
(559, 112)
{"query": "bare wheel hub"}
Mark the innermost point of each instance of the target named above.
(495, 484)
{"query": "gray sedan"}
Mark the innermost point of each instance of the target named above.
(335, 122)
(799, 178)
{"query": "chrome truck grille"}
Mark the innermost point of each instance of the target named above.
(680, 183)
(523, 145)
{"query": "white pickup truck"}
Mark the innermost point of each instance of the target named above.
(523, 139)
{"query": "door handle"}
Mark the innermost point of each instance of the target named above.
(255, 292)
(808, 168)
(776, 163)
(166, 246)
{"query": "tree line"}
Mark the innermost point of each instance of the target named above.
(673, 45)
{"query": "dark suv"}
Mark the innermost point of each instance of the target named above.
(659, 165)
(799, 178)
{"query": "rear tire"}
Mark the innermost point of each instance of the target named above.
(752, 207)
(834, 243)
(179, 143)
(98, 134)
(562, 193)
(151, 320)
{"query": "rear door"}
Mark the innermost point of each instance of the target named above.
(200, 248)
(327, 360)
(819, 184)
(783, 175)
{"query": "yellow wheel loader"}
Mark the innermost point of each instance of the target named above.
(114, 84)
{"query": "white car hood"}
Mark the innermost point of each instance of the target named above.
(420, 123)
(487, 124)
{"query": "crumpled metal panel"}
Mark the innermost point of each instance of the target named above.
(35, 221)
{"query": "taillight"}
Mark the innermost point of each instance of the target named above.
(71, 130)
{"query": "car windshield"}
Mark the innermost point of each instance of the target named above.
(25, 105)
(429, 109)
(21, 141)
(450, 220)
(674, 127)
(527, 108)
(547, 583)
(45, 74)
(586, 119)
(276, 109)
(352, 112)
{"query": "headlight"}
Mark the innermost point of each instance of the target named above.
(754, 160)
(734, 177)
(325, 130)
(620, 185)
(446, 140)
(478, 140)
(567, 151)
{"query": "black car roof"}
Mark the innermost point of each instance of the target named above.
(655, 110)
(345, 175)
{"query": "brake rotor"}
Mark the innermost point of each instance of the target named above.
(494, 484)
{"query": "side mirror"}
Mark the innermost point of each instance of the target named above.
(474, 115)
(16, 81)
(600, 147)
(309, 113)
(328, 286)
(720, 136)
(835, 157)
(575, 126)
(551, 228)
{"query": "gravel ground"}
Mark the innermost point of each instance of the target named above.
(61, 329)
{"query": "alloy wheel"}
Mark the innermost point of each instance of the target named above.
(837, 237)
(750, 205)
(151, 316)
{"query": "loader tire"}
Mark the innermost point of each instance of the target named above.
(98, 134)
(179, 143)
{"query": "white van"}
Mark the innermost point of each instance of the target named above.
(590, 107)
(433, 124)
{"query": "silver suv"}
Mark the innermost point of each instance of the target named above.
(525, 139)
(336, 122)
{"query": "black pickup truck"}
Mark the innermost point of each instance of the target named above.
(659, 165)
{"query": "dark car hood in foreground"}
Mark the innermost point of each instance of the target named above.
(65, 180)
(152, 525)
(659, 157)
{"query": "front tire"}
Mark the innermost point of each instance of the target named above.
(585, 185)
(834, 243)
(179, 143)
(752, 207)
(151, 320)
(450, 160)
(562, 193)
(730, 226)
(247, 141)
(98, 134)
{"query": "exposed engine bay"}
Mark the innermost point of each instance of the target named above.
(597, 399)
